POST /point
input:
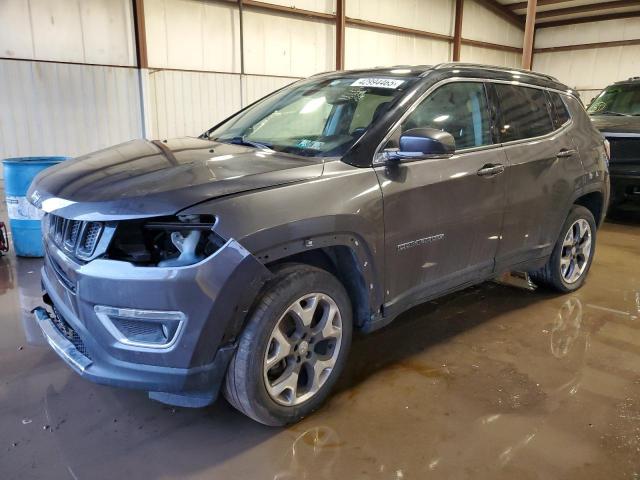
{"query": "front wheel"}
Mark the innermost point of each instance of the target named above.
(293, 347)
(572, 255)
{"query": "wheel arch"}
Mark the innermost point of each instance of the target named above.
(344, 255)
(594, 202)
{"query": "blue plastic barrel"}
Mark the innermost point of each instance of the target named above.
(24, 218)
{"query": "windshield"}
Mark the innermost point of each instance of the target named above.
(617, 100)
(316, 118)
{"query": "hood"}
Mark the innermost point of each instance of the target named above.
(616, 124)
(143, 178)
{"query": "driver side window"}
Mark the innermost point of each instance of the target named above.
(457, 108)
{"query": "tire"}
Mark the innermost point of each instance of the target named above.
(564, 280)
(252, 386)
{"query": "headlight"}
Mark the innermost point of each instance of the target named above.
(165, 242)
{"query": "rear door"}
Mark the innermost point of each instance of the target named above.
(543, 167)
(443, 216)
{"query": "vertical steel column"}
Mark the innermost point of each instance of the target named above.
(340, 27)
(529, 31)
(457, 34)
(140, 34)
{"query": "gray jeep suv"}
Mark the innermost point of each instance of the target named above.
(244, 259)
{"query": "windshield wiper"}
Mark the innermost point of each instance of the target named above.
(243, 141)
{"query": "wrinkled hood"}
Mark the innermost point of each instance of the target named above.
(143, 178)
(616, 124)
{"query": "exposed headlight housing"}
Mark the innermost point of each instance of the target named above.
(165, 242)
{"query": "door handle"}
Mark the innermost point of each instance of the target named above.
(564, 153)
(491, 170)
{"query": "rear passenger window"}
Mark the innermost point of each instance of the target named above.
(561, 113)
(525, 112)
(457, 108)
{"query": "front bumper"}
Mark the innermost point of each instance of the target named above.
(625, 182)
(214, 296)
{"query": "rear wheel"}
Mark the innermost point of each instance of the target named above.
(293, 348)
(572, 255)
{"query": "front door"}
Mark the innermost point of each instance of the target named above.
(443, 216)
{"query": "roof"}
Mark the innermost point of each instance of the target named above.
(470, 70)
(631, 80)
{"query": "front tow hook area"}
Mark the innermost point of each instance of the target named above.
(61, 345)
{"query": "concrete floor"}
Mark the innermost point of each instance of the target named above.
(494, 382)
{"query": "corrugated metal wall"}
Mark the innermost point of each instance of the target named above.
(590, 70)
(72, 86)
(53, 108)
(480, 23)
(81, 31)
(66, 109)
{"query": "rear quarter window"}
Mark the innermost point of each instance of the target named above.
(560, 109)
(525, 112)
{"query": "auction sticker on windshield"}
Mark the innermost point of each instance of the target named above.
(378, 82)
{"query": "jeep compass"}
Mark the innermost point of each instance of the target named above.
(243, 260)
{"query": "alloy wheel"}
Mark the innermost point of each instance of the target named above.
(576, 251)
(303, 349)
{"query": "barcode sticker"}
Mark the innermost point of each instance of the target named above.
(378, 82)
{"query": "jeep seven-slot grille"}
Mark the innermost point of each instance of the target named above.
(77, 237)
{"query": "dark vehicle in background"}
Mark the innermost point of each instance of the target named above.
(616, 113)
(244, 259)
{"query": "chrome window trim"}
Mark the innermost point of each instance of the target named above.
(377, 156)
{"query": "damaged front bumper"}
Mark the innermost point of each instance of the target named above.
(210, 299)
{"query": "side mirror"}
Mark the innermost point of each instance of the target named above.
(421, 143)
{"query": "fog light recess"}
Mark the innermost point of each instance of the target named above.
(142, 328)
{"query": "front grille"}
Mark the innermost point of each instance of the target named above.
(68, 332)
(624, 149)
(79, 238)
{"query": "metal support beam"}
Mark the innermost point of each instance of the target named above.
(598, 18)
(457, 33)
(241, 28)
(595, 7)
(541, 3)
(529, 31)
(140, 34)
(502, 11)
(340, 29)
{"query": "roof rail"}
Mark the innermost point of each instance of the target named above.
(494, 68)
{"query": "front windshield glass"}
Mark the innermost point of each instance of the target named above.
(617, 100)
(315, 118)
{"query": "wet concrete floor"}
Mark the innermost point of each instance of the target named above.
(493, 382)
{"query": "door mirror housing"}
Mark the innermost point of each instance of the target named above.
(422, 143)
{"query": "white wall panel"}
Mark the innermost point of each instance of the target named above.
(16, 40)
(590, 69)
(192, 35)
(187, 103)
(435, 16)
(323, 6)
(286, 45)
(255, 87)
(480, 23)
(490, 56)
(62, 109)
(81, 31)
(365, 48)
(592, 32)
